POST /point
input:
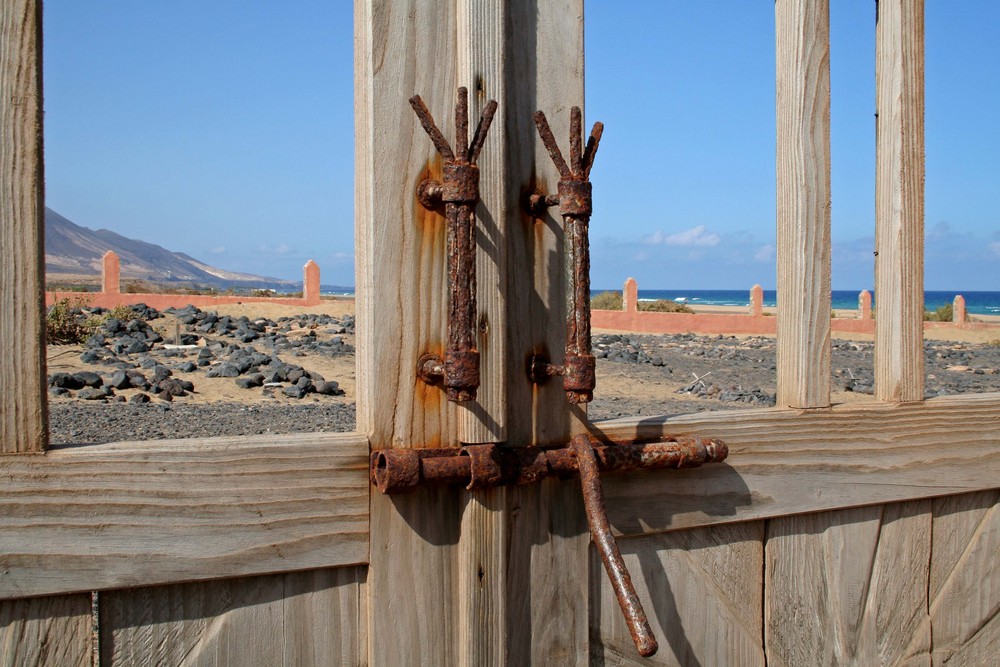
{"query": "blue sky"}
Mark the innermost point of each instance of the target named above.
(225, 130)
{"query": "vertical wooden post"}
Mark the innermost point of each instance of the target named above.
(24, 427)
(450, 569)
(802, 30)
(899, 200)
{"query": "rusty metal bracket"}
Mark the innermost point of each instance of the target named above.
(490, 465)
(459, 192)
(575, 206)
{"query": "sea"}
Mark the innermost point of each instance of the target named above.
(981, 303)
(976, 303)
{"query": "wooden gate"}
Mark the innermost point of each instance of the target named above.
(833, 534)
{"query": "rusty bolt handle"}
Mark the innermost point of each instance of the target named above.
(600, 533)
(459, 192)
(575, 205)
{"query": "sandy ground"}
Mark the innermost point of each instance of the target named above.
(66, 358)
(614, 380)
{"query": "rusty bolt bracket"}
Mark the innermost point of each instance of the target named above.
(487, 466)
(459, 192)
(575, 199)
(404, 470)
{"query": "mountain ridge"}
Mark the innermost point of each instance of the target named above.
(72, 250)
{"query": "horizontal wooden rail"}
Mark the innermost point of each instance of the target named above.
(785, 462)
(140, 513)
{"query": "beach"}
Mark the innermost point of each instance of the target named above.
(637, 374)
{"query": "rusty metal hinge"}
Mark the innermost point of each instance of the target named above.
(490, 465)
(459, 192)
(575, 202)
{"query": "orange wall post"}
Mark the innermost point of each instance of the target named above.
(865, 304)
(310, 283)
(630, 302)
(111, 273)
(757, 301)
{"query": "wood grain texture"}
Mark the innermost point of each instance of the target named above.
(702, 590)
(466, 607)
(53, 630)
(899, 200)
(784, 462)
(139, 513)
(402, 48)
(848, 587)
(24, 427)
(803, 205)
(547, 609)
(965, 579)
(298, 618)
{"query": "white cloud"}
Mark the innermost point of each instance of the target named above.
(217, 250)
(995, 247)
(765, 253)
(695, 237)
(280, 249)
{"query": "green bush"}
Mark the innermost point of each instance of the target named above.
(664, 306)
(607, 301)
(64, 324)
(943, 314)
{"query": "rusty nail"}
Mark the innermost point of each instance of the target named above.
(459, 191)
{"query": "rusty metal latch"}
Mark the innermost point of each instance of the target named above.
(459, 192)
(490, 465)
(575, 203)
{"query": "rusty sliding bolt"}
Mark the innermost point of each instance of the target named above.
(575, 206)
(489, 465)
(600, 533)
(459, 192)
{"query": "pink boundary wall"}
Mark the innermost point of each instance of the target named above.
(755, 322)
(111, 295)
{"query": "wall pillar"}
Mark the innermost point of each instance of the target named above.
(630, 296)
(757, 301)
(958, 309)
(310, 283)
(865, 304)
(111, 273)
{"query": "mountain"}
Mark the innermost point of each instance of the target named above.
(72, 251)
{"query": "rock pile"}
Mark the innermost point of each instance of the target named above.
(138, 357)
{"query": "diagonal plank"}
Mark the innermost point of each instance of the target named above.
(701, 590)
(964, 609)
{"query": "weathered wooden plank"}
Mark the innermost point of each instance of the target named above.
(848, 587)
(402, 48)
(702, 590)
(547, 610)
(24, 427)
(296, 618)
(139, 513)
(802, 33)
(55, 630)
(785, 462)
(899, 200)
(965, 579)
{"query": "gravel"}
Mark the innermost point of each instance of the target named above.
(79, 422)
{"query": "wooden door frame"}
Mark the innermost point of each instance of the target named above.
(83, 518)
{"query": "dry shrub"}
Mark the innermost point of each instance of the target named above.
(664, 306)
(607, 301)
